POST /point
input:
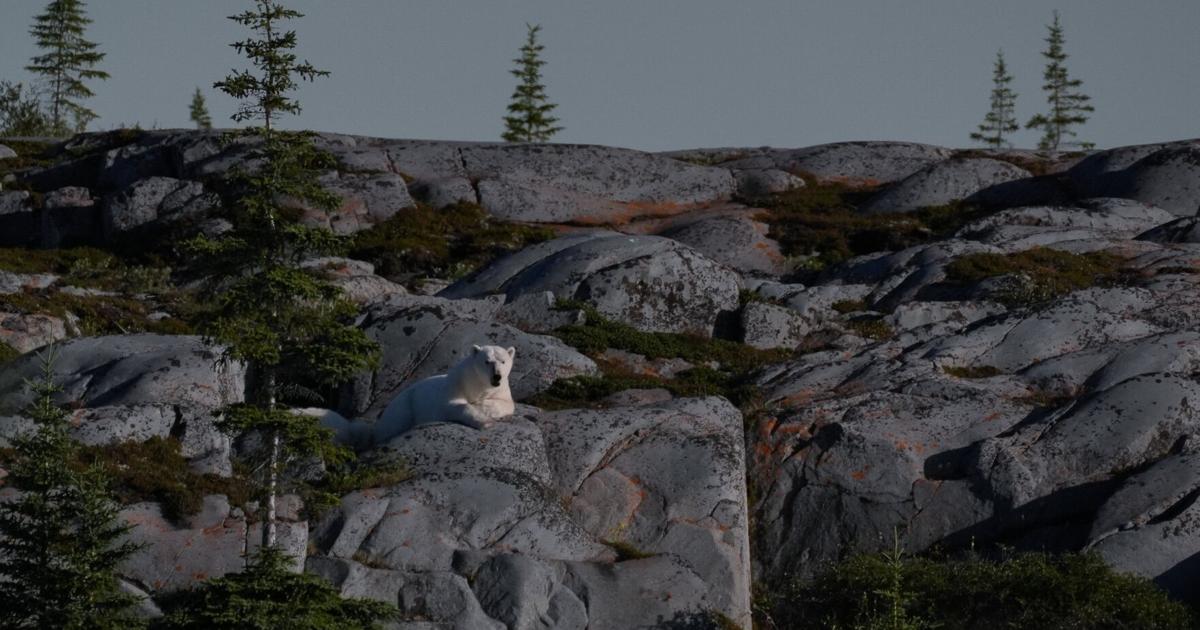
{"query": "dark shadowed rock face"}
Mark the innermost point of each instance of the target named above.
(651, 283)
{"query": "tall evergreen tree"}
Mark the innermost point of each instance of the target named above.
(68, 62)
(199, 111)
(1000, 119)
(60, 540)
(1068, 106)
(529, 118)
(292, 329)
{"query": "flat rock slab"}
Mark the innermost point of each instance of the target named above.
(855, 163)
(582, 184)
(651, 283)
(523, 511)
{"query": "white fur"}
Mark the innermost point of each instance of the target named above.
(474, 392)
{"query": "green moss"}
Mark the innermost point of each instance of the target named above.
(29, 155)
(7, 353)
(849, 306)
(338, 481)
(156, 470)
(1034, 591)
(822, 220)
(1040, 274)
(626, 551)
(449, 242)
(871, 328)
(972, 371)
(97, 315)
(599, 333)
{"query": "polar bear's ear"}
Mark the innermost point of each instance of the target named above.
(512, 352)
(476, 349)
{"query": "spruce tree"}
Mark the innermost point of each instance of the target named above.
(69, 61)
(61, 539)
(266, 596)
(292, 329)
(529, 118)
(199, 111)
(1000, 119)
(1068, 106)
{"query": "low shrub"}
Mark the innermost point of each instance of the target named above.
(97, 315)
(1029, 591)
(1039, 275)
(871, 328)
(972, 371)
(156, 470)
(445, 243)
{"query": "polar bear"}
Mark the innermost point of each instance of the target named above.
(474, 392)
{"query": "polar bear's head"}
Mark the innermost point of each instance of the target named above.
(494, 362)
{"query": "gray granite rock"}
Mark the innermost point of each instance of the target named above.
(648, 282)
(1181, 230)
(736, 241)
(7, 152)
(154, 199)
(587, 184)
(760, 183)
(767, 326)
(942, 183)
(1168, 178)
(26, 333)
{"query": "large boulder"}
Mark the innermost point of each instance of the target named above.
(651, 283)
(152, 200)
(1168, 178)
(734, 240)
(1101, 173)
(132, 387)
(944, 182)
(539, 516)
(422, 336)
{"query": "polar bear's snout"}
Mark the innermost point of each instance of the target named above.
(496, 378)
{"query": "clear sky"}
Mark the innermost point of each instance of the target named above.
(660, 74)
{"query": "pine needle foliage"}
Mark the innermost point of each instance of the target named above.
(1000, 119)
(21, 111)
(61, 540)
(68, 62)
(267, 596)
(529, 118)
(198, 111)
(1068, 106)
(293, 330)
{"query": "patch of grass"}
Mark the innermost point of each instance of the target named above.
(156, 470)
(626, 551)
(849, 306)
(338, 481)
(822, 220)
(97, 315)
(29, 155)
(1034, 591)
(599, 333)
(871, 328)
(972, 371)
(7, 353)
(1040, 274)
(446, 243)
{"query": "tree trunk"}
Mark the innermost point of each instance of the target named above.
(268, 531)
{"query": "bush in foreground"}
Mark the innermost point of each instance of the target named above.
(1026, 591)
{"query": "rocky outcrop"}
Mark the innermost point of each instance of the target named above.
(944, 182)
(651, 283)
(614, 519)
